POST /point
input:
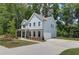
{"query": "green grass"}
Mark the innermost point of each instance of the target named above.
(77, 39)
(15, 43)
(73, 51)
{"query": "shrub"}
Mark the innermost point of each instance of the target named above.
(8, 37)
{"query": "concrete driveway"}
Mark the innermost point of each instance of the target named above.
(51, 47)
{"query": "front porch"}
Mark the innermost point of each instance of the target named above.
(34, 34)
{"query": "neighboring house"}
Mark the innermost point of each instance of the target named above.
(38, 27)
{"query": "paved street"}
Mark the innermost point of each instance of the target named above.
(51, 47)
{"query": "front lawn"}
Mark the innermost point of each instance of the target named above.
(73, 51)
(15, 43)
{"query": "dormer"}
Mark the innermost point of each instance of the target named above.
(24, 24)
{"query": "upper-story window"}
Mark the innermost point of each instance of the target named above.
(38, 23)
(30, 24)
(34, 24)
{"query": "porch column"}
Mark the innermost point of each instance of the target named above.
(21, 33)
(36, 34)
(25, 33)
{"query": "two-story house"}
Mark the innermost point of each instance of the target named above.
(38, 27)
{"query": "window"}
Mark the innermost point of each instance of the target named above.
(23, 26)
(30, 24)
(51, 25)
(38, 23)
(39, 33)
(34, 33)
(34, 24)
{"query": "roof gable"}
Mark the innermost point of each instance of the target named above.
(40, 17)
(37, 15)
(24, 22)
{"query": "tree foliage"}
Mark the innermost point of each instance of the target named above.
(11, 27)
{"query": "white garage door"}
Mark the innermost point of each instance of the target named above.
(47, 36)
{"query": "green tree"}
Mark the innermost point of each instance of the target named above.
(11, 27)
(55, 10)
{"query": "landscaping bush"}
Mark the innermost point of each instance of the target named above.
(68, 31)
(8, 37)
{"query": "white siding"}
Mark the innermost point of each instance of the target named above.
(49, 31)
(36, 20)
(53, 29)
